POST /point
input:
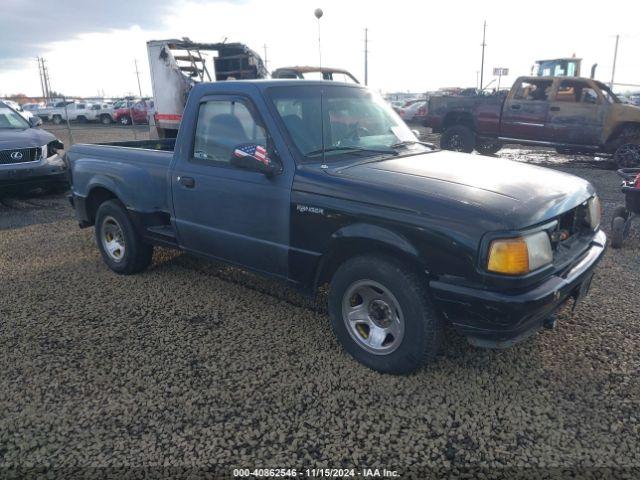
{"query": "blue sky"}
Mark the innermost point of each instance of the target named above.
(91, 46)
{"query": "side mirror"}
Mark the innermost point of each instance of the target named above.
(35, 121)
(253, 157)
(416, 133)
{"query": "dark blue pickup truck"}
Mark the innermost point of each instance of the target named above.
(321, 183)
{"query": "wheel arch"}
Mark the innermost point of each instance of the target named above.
(98, 194)
(361, 239)
(620, 131)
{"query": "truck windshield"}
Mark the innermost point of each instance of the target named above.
(11, 120)
(355, 121)
(608, 94)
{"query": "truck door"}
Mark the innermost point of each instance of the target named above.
(576, 113)
(223, 211)
(524, 113)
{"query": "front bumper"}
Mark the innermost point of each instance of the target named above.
(498, 320)
(47, 172)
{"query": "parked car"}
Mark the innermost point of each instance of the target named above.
(32, 107)
(75, 111)
(26, 114)
(574, 115)
(139, 111)
(102, 112)
(407, 237)
(28, 156)
(409, 113)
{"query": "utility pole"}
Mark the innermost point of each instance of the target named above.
(44, 95)
(615, 58)
(484, 44)
(366, 56)
(265, 56)
(45, 75)
(135, 61)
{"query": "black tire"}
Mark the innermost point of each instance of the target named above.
(125, 120)
(422, 327)
(627, 156)
(458, 138)
(488, 148)
(617, 232)
(81, 119)
(619, 211)
(57, 119)
(105, 119)
(137, 254)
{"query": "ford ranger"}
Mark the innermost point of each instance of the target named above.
(574, 115)
(319, 183)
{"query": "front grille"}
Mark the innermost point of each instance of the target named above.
(20, 155)
(572, 223)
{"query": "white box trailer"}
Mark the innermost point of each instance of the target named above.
(177, 65)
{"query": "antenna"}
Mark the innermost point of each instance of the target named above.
(484, 44)
(322, 123)
(366, 56)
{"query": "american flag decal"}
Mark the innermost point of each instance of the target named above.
(252, 150)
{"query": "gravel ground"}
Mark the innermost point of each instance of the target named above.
(196, 365)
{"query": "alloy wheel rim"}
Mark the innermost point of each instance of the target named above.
(113, 239)
(373, 317)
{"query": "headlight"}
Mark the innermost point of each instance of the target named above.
(595, 212)
(44, 152)
(517, 256)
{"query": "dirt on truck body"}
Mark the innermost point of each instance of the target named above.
(574, 115)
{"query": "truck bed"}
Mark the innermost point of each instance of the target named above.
(136, 171)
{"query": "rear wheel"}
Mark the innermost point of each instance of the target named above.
(458, 138)
(57, 119)
(381, 314)
(488, 147)
(617, 232)
(122, 248)
(105, 119)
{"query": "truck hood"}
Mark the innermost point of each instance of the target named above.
(27, 138)
(500, 193)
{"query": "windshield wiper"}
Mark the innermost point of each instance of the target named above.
(413, 142)
(353, 149)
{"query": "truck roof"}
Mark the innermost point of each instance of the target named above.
(263, 84)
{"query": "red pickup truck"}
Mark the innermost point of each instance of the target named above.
(574, 115)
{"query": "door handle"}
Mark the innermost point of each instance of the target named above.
(515, 107)
(554, 109)
(188, 182)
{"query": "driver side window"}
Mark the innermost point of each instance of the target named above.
(222, 126)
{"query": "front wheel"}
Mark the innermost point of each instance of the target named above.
(627, 155)
(105, 119)
(488, 148)
(125, 120)
(382, 316)
(458, 138)
(57, 119)
(122, 248)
